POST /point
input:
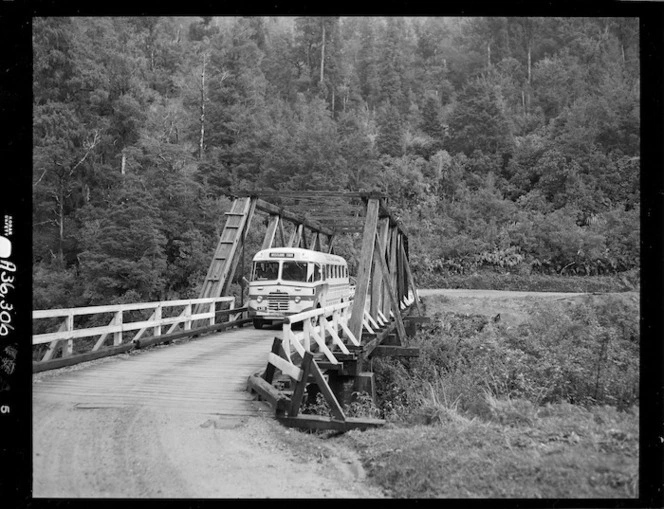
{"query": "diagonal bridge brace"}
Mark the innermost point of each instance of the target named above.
(287, 407)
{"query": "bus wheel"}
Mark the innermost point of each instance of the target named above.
(258, 323)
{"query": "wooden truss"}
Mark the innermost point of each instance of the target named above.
(384, 279)
(380, 313)
(307, 234)
(287, 404)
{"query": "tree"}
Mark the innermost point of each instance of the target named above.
(62, 146)
(477, 122)
(390, 131)
(432, 122)
(357, 149)
(392, 67)
(367, 64)
(123, 249)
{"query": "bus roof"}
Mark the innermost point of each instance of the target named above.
(278, 253)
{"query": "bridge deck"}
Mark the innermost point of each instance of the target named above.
(80, 415)
(205, 376)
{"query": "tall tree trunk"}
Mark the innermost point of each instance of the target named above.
(322, 53)
(523, 101)
(488, 55)
(123, 164)
(61, 224)
(201, 142)
(529, 76)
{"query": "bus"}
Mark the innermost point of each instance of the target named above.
(286, 281)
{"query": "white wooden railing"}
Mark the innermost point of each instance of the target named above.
(118, 326)
(316, 327)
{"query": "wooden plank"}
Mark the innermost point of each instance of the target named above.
(228, 276)
(267, 193)
(225, 259)
(282, 235)
(320, 341)
(268, 241)
(285, 367)
(279, 401)
(296, 236)
(305, 421)
(411, 281)
(298, 394)
(269, 370)
(395, 351)
(315, 242)
(377, 278)
(401, 330)
(123, 348)
(76, 359)
(349, 334)
(335, 337)
(417, 319)
(364, 269)
(226, 248)
(392, 265)
(291, 216)
(327, 392)
(113, 329)
(400, 290)
(52, 347)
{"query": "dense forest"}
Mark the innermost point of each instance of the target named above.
(503, 143)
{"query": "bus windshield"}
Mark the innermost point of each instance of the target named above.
(294, 271)
(266, 271)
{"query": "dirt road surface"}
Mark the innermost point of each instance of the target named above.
(514, 307)
(177, 422)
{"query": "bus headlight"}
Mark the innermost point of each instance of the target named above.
(297, 299)
(259, 298)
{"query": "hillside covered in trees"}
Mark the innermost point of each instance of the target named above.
(504, 144)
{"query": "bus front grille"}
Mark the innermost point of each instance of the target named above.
(278, 301)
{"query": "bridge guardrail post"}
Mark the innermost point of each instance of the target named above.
(117, 336)
(68, 347)
(306, 329)
(157, 320)
(187, 315)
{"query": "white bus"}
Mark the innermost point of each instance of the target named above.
(286, 281)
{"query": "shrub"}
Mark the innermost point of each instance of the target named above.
(582, 353)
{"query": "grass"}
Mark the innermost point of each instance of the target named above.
(545, 409)
(560, 451)
(491, 280)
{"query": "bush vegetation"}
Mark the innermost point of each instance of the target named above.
(575, 353)
(548, 408)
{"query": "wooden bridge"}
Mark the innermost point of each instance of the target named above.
(282, 366)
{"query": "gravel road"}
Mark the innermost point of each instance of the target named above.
(175, 422)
